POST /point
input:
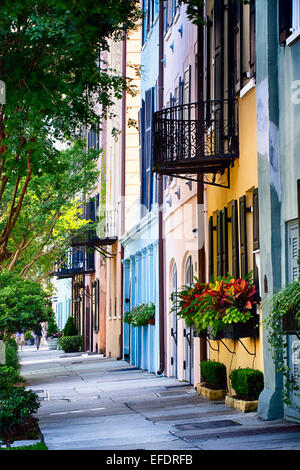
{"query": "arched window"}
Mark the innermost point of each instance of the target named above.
(189, 271)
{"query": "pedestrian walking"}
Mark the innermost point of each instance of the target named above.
(38, 336)
(20, 338)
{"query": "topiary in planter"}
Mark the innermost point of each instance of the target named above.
(70, 343)
(70, 328)
(213, 373)
(247, 383)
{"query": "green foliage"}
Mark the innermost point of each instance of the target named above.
(9, 376)
(283, 303)
(70, 328)
(247, 383)
(52, 330)
(214, 374)
(16, 403)
(70, 343)
(28, 335)
(141, 315)
(11, 354)
(23, 304)
(56, 82)
(37, 446)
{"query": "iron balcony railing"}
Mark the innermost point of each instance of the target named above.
(195, 138)
(104, 231)
(77, 261)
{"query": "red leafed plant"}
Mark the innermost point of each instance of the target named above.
(227, 300)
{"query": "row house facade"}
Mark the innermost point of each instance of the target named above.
(199, 179)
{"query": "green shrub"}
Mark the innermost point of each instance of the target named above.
(247, 383)
(214, 374)
(11, 354)
(28, 335)
(70, 343)
(70, 328)
(8, 377)
(18, 404)
(52, 330)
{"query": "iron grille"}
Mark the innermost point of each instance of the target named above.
(195, 138)
(77, 261)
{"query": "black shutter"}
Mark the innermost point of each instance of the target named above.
(219, 244)
(224, 222)
(142, 157)
(218, 49)
(211, 248)
(237, 45)
(235, 239)
(243, 236)
(252, 40)
(255, 220)
(284, 20)
(255, 236)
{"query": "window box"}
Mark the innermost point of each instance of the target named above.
(249, 329)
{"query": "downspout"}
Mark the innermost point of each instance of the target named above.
(200, 184)
(123, 181)
(160, 203)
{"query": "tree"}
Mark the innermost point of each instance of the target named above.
(56, 83)
(51, 214)
(24, 304)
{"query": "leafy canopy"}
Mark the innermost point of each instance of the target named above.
(23, 304)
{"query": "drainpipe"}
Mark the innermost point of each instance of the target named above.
(123, 180)
(160, 204)
(200, 184)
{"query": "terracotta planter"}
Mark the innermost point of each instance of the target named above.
(151, 321)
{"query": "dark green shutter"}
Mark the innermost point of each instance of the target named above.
(219, 49)
(224, 222)
(252, 61)
(255, 220)
(243, 236)
(235, 239)
(237, 44)
(211, 248)
(219, 244)
(284, 19)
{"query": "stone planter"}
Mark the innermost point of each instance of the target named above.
(241, 405)
(210, 393)
(52, 343)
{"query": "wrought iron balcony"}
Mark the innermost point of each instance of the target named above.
(196, 138)
(77, 261)
(105, 232)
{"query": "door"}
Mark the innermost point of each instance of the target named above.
(188, 331)
(174, 327)
(293, 342)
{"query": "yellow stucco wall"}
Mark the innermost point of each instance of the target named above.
(243, 179)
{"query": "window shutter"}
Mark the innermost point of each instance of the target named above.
(293, 252)
(211, 247)
(218, 49)
(224, 222)
(243, 236)
(237, 45)
(285, 20)
(142, 157)
(255, 220)
(235, 239)
(219, 244)
(252, 40)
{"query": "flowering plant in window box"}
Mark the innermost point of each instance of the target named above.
(141, 315)
(217, 304)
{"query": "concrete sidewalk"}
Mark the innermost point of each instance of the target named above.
(90, 403)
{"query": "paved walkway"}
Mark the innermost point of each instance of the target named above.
(90, 403)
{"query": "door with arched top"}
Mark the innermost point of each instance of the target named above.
(174, 325)
(188, 364)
